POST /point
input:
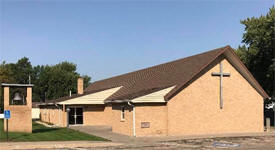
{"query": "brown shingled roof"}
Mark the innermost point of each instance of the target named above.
(176, 73)
(158, 77)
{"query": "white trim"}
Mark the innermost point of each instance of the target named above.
(155, 97)
(19, 85)
(134, 118)
(93, 98)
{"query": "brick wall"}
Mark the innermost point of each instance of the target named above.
(153, 114)
(196, 109)
(54, 115)
(122, 126)
(21, 115)
(97, 115)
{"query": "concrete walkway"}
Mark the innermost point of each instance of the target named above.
(54, 145)
(106, 132)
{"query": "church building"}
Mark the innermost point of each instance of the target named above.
(208, 93)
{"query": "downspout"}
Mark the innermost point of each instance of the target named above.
(58, 114)
(134, 118)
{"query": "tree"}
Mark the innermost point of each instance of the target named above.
(57, 81)
(22, 70)
(5, 77)
(50, 82)
(258, 50)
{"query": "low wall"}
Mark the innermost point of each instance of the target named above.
(54, 115)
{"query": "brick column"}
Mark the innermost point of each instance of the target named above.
(80, 84)
(64, 116)
(6, 102)
(29, 97)
(6, 97)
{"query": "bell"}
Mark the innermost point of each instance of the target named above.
(17, 97)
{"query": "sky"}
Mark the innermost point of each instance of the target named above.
(105, 38)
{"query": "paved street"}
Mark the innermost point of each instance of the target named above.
(243, 143)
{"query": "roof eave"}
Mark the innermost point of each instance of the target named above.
(260, 90)
(169, 95)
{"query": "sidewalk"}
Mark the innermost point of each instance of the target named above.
(54, 144)
(118, 140)
(106, 132)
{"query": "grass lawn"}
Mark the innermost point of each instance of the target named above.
(42, 133)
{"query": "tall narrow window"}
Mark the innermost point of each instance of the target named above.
(122, 113)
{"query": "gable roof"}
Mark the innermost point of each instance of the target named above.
(148, 80)
(176, 73)
(172, 75)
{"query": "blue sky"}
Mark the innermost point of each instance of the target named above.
(107, 38)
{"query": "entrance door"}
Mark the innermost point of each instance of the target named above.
(76, 115)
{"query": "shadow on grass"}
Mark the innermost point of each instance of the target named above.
(44, 130)
(14, 138)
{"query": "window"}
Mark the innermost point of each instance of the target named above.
(122, 113)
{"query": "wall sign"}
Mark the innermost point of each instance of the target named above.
(145, 124)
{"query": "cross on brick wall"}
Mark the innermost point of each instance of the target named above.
(221, 74)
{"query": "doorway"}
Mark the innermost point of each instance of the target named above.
(76, 116)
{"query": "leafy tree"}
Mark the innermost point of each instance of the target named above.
(57, 81)
(50, 82)
(22, 70)
(5, 77)
(258, 51)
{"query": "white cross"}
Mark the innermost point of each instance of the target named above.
(221, 74)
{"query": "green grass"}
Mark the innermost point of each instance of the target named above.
(42, 133)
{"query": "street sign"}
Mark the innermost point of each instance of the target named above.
(7, 114)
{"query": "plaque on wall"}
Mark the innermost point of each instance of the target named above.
(145, 124)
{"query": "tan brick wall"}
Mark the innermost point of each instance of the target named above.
(80, 84)
(196, 110)
(21, 115)
(119, 126)
(97, 115)
(156, 115)
(21, 119)
(54, 115)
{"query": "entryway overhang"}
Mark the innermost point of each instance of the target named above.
(94, 98)
(155, 97)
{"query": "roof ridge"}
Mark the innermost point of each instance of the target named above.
(177, 60)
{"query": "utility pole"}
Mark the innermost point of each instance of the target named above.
(29, 79)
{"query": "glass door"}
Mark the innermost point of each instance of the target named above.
(78, 116)
(71, 116)
(75, 115)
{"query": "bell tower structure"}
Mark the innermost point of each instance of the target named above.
(19, 103)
